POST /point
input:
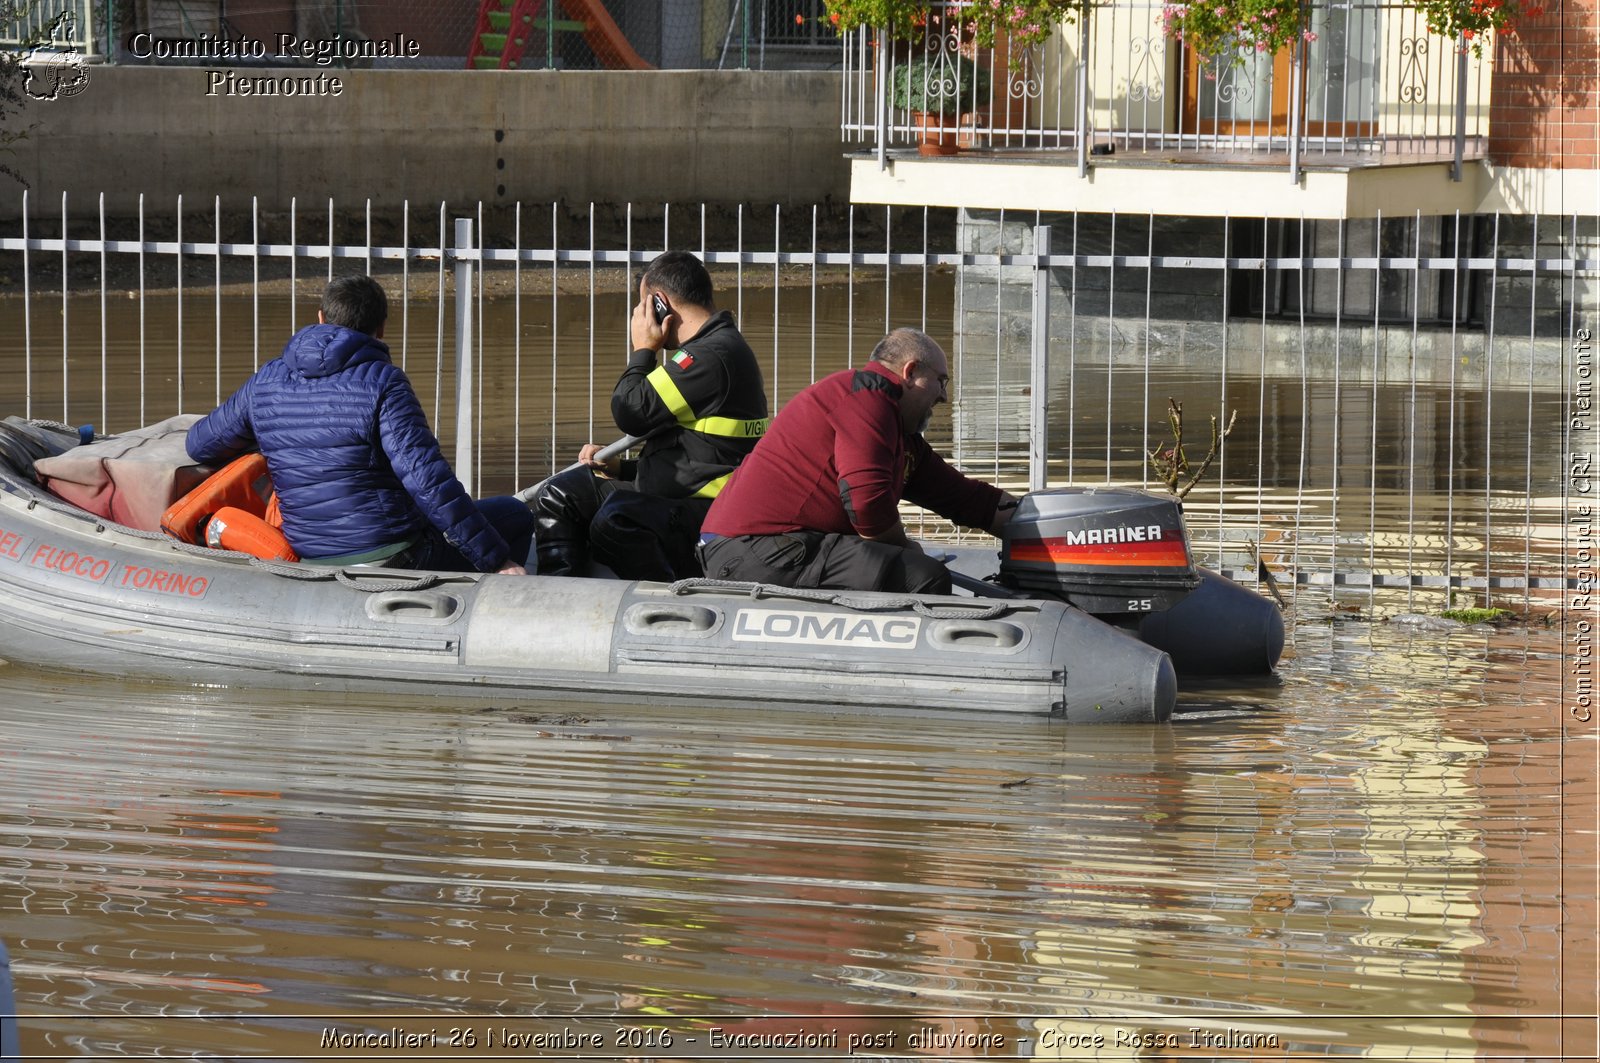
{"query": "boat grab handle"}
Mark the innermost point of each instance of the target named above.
(671, 618)
(976, 635)
(413, 606)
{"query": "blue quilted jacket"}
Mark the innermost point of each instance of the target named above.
(351, 455)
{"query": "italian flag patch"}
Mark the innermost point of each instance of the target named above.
(683, 359)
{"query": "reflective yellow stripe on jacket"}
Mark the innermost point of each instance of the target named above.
(713, 488)
(730, 427)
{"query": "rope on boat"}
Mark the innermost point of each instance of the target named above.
(761, 591)
(356, 579)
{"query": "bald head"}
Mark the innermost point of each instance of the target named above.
(905, 345)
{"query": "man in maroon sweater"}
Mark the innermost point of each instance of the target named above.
(817, 503)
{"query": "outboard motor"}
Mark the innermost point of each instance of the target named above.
(1124, 557)
(1109, 551)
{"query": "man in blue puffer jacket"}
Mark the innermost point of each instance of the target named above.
(359, 475)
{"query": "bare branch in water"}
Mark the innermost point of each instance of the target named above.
(1171, 465)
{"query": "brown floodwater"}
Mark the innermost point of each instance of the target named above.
(1379, 853)
(1364, 859)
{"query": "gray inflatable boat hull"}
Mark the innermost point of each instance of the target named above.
(10, 1047)
(81, 594)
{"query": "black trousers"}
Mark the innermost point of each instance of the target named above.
(825, 560)
(579, 514)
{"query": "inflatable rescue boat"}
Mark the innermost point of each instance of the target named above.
(90, 593)
(9, 1044)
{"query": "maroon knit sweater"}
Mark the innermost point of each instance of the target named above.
(837, 460)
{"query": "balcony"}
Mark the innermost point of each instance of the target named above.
(1375, 115)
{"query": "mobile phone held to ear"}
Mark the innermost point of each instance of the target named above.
(658, 307)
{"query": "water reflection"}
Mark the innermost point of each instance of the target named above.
(1336, 867)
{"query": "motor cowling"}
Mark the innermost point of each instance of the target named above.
(1111, 552)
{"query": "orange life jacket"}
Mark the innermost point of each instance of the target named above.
(235, 508)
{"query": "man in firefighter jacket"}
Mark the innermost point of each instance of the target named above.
(693, 388)
(818, 503)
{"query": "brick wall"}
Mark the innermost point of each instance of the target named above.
(1544, 102)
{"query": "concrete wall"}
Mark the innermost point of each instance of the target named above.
(681, 137)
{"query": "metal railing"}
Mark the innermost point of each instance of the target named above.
(1372, 453)
(1373, 83)
(79, 31)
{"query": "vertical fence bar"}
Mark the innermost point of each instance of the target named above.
(850, 287)
(461, 252)
(1072, 353)
(880, 91)
(1261, 384)
(66, 285)
(516, 351)
(1297, 94)
(255, 284)
(1111, 331)
(555, 325)
(1461, 113)
(923, 316)
(888, 269)
(1488, 401)
(999, 334)
(1527, 483)
(1411, 409)
(27, 310)
(216, 305)
(1337, 463)
(482, 317)
(1450, 448)
(179, 344)
(1372, 452)
(628, 287)
(589, 399)
(405, 280)
(1039, 367)
(777, 288)
(438, 346)
(1144, 413)
(1305, 413)
(105, 416)
(142, 374)
(1222, 397)
(1083, 94)
(330, 239)
(813, 371)
(294, 267)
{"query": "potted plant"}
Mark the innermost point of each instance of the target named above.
(1470, 21)
(1226, 31)
(982, 22)
(1023, 22)
(902, 19)
(936, 88)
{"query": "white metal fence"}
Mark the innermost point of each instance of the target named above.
(1423, 455)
